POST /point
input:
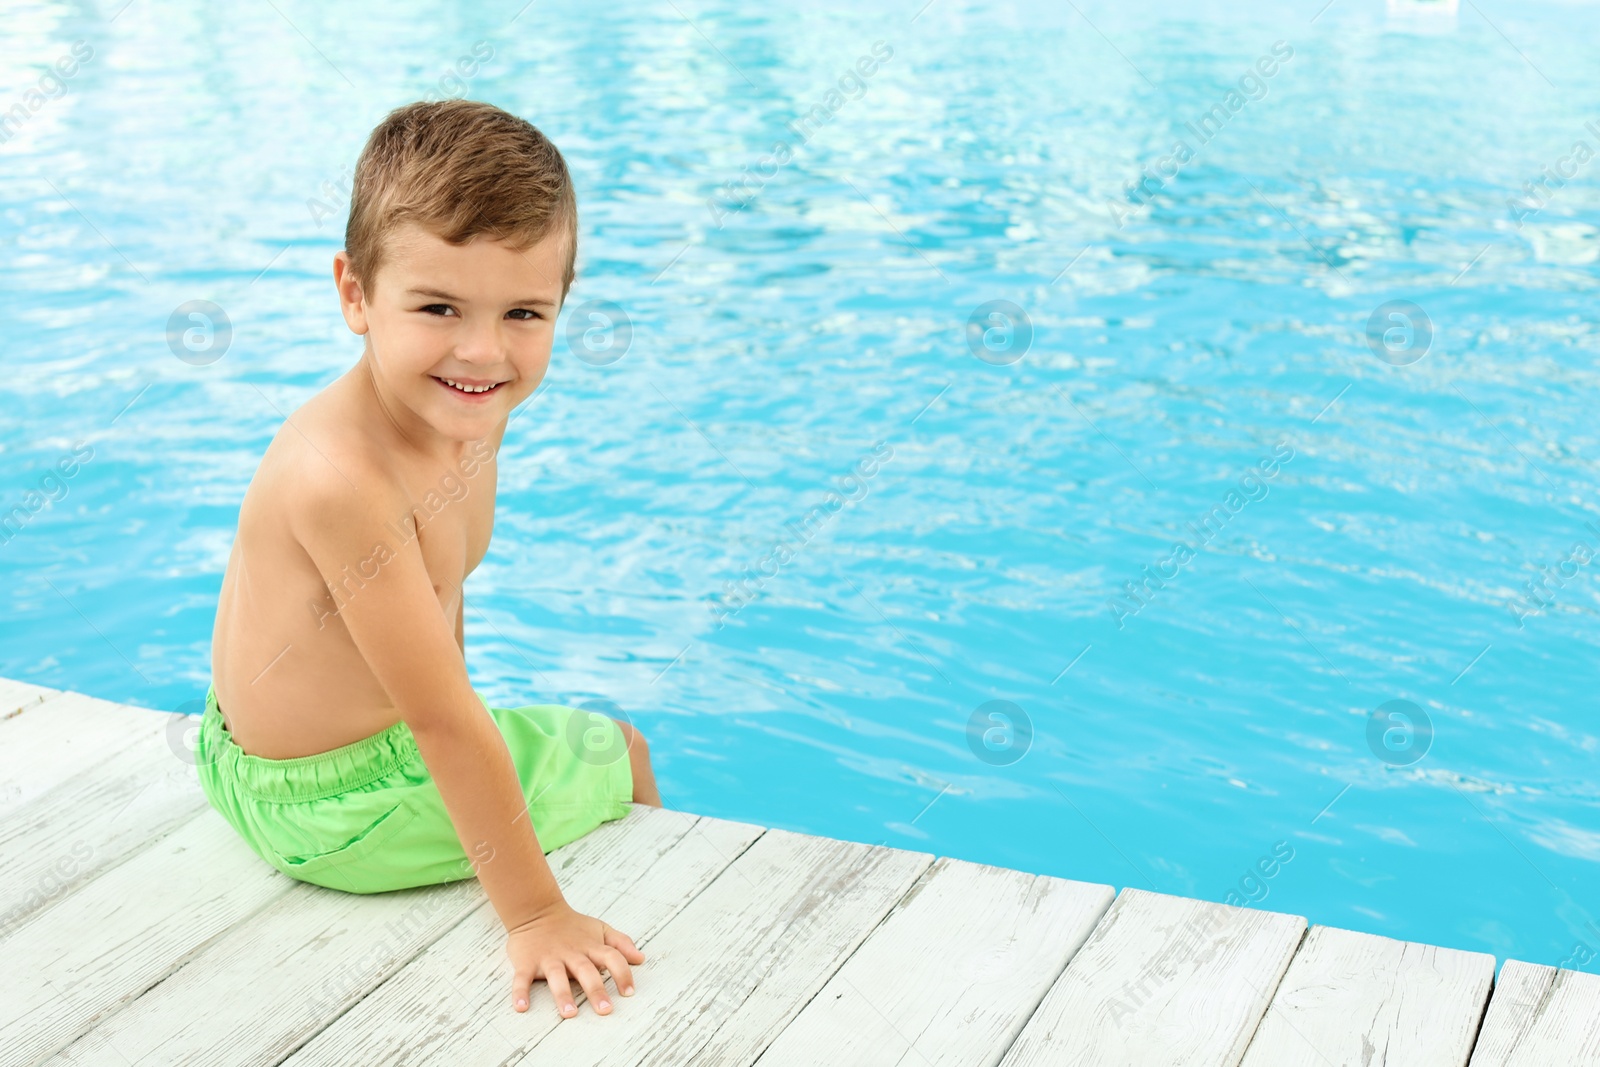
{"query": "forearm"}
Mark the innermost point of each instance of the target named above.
(472, 768)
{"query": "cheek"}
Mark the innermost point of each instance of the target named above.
(406, 343)
(531, 355)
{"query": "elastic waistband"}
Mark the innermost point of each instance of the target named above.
(303, 778)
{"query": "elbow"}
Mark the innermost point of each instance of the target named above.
(440, 718)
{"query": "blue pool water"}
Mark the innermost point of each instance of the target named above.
(1164, 344)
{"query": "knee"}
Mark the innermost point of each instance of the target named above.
(631, 735)
(644, 782)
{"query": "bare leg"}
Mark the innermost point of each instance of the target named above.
(644, 776)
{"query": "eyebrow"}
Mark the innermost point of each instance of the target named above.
(441, 294)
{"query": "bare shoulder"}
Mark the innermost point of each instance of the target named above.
(322, 474)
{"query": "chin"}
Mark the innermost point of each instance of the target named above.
(466, 430)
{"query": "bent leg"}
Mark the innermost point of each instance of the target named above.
(644, 777)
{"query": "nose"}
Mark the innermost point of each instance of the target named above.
(479, 342)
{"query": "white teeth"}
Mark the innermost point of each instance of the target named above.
(468, 388)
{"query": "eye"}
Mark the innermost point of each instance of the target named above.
(434, 308)
(534, 314)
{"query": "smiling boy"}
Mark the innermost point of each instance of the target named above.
(345, 743)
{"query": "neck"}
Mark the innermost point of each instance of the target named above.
(400, 427)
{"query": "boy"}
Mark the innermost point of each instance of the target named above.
(341, 736)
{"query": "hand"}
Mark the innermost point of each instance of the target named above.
(560, 941)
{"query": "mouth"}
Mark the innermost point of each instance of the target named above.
(468, 390)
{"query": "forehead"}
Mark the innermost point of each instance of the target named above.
(489, 267)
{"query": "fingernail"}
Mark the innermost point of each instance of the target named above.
(521, 1004)
(567, 1007)
(605, 1004)
(628, 992)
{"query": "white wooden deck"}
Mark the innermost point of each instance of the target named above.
(135, 928)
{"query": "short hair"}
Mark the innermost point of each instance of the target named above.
(459, 168)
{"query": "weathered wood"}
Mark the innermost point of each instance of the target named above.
(723, 977)
(258, 991)
(1161, 980)
(1354, 998)
(952, 974)
(16, 696)
(1540, 1017)
(123, 932)
(452, 1004)
(54, 740)
(135, 927)
(92, 821)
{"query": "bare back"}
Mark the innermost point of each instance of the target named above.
(288, 677)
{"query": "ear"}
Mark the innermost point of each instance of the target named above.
(352, 301)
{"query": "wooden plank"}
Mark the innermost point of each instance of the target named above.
(92, 821)
(1161, 980)
(78, 961)
(1541, 1016)
(17, 696)
(724, 976)
(452, 1004)
(1358, 998)
(952, 974)
(255, 993)
(271, 983)
(51, 741)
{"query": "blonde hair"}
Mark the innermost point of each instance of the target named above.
(459, 168)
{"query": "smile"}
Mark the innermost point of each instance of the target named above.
(468, 390)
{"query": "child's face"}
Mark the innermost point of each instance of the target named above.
(475, 314)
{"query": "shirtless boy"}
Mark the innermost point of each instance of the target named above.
(341, 736)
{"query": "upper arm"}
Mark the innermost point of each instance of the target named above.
(383, 592)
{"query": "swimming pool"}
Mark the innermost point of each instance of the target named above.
(1335, 348)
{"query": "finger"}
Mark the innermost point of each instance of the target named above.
(521, 986)
(612, 960)
(623, 943)
(593, 987)
(556, 977)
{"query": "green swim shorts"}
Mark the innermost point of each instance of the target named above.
(367, 817)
